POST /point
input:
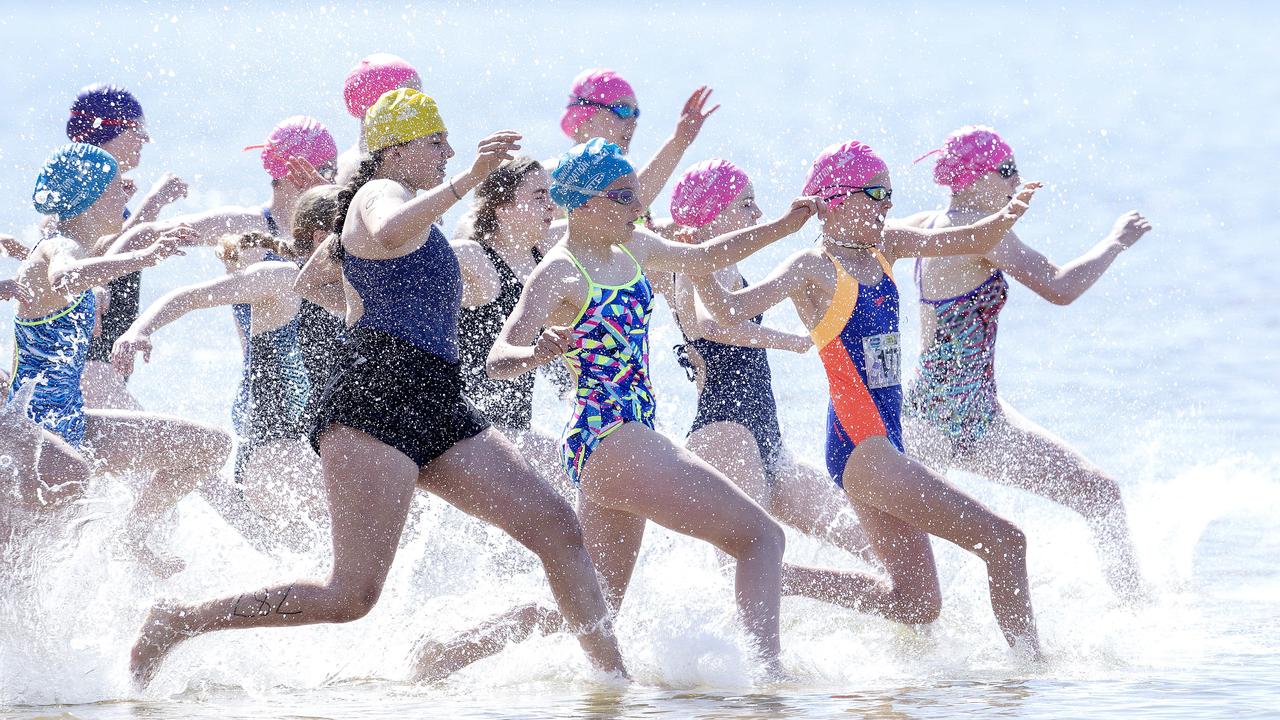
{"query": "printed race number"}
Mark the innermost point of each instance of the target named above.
(882, 357)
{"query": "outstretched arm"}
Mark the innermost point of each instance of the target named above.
(71, 276)
(262, 280)
(658, 171)
(1062, 285)
(733, 307)
(698, 323)
(395, 219)
(706, 257)
(523, 344)
(976, 239)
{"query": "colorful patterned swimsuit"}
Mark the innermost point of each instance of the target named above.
(610, 365)
(52, 351)
(955, 384)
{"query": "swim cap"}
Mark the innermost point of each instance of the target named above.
(374, 77)
(587, 168)
(967, 154)
(850, 164)
(400, 116)
(705, 190)
(73, 179)
(598, 84)
(101, 113)
(297, 136)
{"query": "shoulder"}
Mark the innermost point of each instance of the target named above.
(470, 251)
(917, 220)
(383, 189)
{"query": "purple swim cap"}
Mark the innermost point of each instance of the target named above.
(101, 113)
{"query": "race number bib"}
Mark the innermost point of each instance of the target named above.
(882, 357)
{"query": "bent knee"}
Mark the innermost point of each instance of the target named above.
(1099, 497)
(1010, 542)
(354, 600)
(763, 539)
(556, 531)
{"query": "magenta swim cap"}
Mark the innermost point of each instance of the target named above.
(374, 76)
(598, 85)
(297, 136)
(705, 190)
(845, 165)
(967, 154)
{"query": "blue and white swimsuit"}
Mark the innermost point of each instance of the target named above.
(52, 351)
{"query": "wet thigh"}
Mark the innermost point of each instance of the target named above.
(124, 440)
(486, 477)
(643, 473)
(731, 448)
(104, 388)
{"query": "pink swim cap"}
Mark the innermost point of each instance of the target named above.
(297, 136)
(967, 154)
(372, 77)
(846, 165)
(705, 190)
(597, 84)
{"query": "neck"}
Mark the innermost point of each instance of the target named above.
(511, 245)
(81, 228)
(282, 202)
(969, 203)
(593, 243)
(853, 238)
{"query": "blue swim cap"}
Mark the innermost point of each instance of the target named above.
(101, 113)
(73, 179)
(587, 168)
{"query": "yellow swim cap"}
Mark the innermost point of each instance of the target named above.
(400, 116)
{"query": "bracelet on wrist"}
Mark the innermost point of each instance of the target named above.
(454, 189)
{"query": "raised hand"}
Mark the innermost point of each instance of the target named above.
(693, 116)
(1129, 228)
(495, 150)
(1021, 201)
(170, 241)
(802, 208)
(303, 175)
(552, 343)
(10, 246)
(168, 188)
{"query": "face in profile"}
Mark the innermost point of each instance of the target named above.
(607, 123)
(531, 210)
(854, 210)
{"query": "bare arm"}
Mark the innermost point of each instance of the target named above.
(658, 171)
(731, 307)
(1063, 285)
(320, 280)
(976, 239)
(480, 281)
(519, 347)
(706, 257)
(700, 324)
(166, 190)
(213, 224)
(253, 284)
(10, 246)
(69, 275)
(398, 218)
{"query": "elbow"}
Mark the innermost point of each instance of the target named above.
(1058, 297)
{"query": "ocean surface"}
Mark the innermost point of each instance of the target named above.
(1165, 374)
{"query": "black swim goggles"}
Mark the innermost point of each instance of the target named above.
(879, 193)
(622, 110)
(1007, 169)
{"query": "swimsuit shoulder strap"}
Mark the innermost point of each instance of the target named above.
(639, 270)
(843, 302)
(581, 269)
(884, 265)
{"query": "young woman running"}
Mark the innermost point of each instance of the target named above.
(276, 474)
(510, 219)
(393, 417)
(955, 417)
(592, 297)
(736, 424)
(369, 80)
(82, 186)
(844, 292)
(111, 118)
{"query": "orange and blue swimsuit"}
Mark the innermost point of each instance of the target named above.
(857, 340)
(610, 365)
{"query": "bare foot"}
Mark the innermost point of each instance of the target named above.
(161, 633)
(434, 661)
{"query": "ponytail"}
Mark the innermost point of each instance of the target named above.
(231, 246)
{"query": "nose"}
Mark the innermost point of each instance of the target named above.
(448, 150)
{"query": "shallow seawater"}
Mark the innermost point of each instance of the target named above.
(1164, 374)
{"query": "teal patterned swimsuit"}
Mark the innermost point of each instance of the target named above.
(51, 351)
(610, 364)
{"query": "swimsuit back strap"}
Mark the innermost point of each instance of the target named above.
(639, 269)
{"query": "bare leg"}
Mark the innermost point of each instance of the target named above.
(802, 499)
(1017, 452)
(178, 453)
(370, 487)
(105, 389)
(434, 661)
(484, 476)
(678, 490)
(879, 477)
(542, 452)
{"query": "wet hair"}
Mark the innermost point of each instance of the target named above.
(498, 189)
(369, 166)
(315, 211)
(231, 246)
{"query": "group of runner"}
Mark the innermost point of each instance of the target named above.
(381, 357)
